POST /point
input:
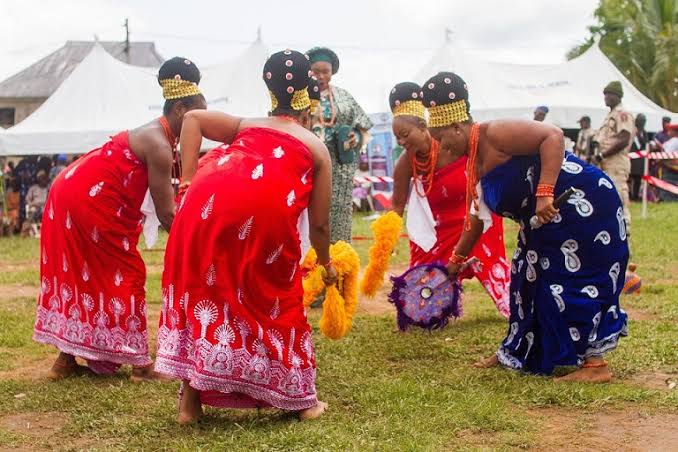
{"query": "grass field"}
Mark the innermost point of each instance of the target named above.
(386, 390)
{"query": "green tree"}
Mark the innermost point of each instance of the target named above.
(641, 39)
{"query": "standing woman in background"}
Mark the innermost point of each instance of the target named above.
(342, 124)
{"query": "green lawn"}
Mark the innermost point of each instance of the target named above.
(387, 391)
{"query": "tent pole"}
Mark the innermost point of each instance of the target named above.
(646, 168)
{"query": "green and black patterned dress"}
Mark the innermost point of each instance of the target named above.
(348, 112)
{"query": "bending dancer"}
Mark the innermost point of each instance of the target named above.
(566, 276)
(92, 300)
(436, 215)
(233, 326)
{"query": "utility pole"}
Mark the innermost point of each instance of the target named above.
(127, 46)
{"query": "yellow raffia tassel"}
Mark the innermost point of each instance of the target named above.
(386, 231)
(333, 323)
(341, 300)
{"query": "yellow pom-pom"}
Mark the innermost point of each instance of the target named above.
(386, 232)
(313, 285)
(341, 300)
(333, 320)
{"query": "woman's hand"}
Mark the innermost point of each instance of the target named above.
(352, 140)
(545, 210)
(329, 275)
(453, 270)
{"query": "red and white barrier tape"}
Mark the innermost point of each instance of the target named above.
(654, 155)
(666, 186)
(375, 179)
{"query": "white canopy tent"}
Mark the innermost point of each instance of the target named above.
(500, 90)
(101, 97)
(236, 86)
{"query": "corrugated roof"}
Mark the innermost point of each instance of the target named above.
(42, 78)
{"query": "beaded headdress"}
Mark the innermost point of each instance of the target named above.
(287, 75)
(406, 100)
(446, 97)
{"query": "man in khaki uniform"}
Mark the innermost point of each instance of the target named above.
(582, 148)
(615, 137)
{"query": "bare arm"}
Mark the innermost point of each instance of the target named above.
(515, 137)
(158, 156)
(468, 239)
(401, 183)
(319, 205)
(197, 124)
(620, 142)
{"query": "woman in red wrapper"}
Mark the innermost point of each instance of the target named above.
(436, 202)
(233, 327)
(92, 299)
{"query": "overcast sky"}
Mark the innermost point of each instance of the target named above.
(210, 31)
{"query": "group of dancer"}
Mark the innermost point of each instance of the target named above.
(233, 327)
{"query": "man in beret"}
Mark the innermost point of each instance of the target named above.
(615, 138)
(540, 113)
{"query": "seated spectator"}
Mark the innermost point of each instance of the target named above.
(37, 197)
(60, 165)
(10, 220)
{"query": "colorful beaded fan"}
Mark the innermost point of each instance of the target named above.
(425, 296)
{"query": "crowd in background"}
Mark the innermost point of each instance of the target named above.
(24, 186)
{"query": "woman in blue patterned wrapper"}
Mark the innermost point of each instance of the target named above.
(566, 276)
(338, 109)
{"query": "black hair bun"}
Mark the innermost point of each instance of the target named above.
(444, 88)
(179, 68)
(404, 92)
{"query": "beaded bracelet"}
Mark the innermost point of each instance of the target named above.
(545, 191)
(457, 259)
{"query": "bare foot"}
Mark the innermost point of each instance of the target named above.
(314, 412)
(486, 363)
(65, 366)
(144, 374)
(597, 371)
(190, 408)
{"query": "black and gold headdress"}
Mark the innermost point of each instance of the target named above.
(179, 78)
(286, 75)
(446, 97)
(406, 100)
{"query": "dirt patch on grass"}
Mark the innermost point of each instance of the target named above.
(29, 369)
(379, 304)
(659, 381)
(36, 425)
(639, 314)
(19, 266)
(11, 291)
(628, 430)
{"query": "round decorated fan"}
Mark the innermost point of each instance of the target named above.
(425, 296)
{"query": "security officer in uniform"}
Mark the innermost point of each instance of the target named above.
(615, 138)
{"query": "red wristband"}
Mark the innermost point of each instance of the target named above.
(545, 191)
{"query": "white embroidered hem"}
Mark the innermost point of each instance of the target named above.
(202, 382)
(81, 351)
